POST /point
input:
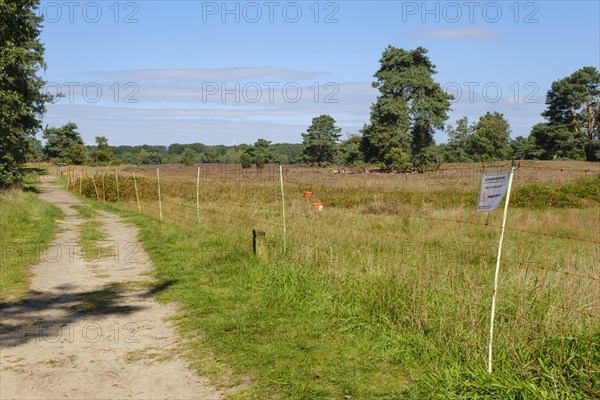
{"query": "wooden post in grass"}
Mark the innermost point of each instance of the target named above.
(258, 242)
(103, 187)
(95, 188)
(117, 182)
(80, 180)
(159, 200)
(137, 197)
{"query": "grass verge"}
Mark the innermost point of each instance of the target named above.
(280, 326)
(27, 225)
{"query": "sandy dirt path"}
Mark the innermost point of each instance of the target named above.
(91, 328)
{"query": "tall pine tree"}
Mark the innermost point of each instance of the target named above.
(410, 106)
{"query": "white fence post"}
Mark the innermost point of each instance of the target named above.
(493, 312)
(159, 199)
(198, 197)
(282, 207)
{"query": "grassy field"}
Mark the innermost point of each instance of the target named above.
(384, 294)
(27, 225)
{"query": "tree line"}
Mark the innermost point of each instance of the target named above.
(65, 145)
(410, 107)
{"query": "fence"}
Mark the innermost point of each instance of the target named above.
(427, 256)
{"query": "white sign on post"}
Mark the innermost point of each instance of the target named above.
(493, 187)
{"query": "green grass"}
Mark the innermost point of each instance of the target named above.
(291, 332)
(90, 228)
(27, 225)
(294, 334)
(386, 294)
(550, 378)
(85, 211)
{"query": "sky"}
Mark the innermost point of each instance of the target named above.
(215, 72)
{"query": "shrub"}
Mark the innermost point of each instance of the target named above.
(246, 160)
(397, 159)
(537, 196)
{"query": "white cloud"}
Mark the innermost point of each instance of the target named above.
(168, 113)
(198, 75)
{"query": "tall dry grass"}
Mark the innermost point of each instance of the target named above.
(413, 247)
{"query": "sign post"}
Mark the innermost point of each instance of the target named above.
(493, 187)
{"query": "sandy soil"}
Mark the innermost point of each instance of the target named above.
(91, 328)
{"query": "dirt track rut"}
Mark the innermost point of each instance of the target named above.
(91, 328)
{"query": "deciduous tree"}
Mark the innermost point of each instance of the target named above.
(490, 139)
(457, 147)
(101, 153)
(246, 160)
(22, 100)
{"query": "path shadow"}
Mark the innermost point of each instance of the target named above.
(159, 287)
(30, 189)
(24, 321)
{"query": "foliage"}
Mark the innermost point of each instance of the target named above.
(349, 152)
(573, 103)
(487, 140)
(410, 106)
(22, 101)
(293, 152)
(261, 152)
(101, 154)
(397, 159)
(246, 160)
(320, 140)
(525, 148)
(538, 196)
(490, 139)
(35, 149)
(259, 160)
(74, 154)
(388, 129)
(574, 194)
(457, 147)
(231, 156)
(197, 152)
(149, 158)
(281, 158)
(188, 156)
(556, 142)
(65, 144)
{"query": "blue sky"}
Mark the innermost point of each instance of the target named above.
(162, 72)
